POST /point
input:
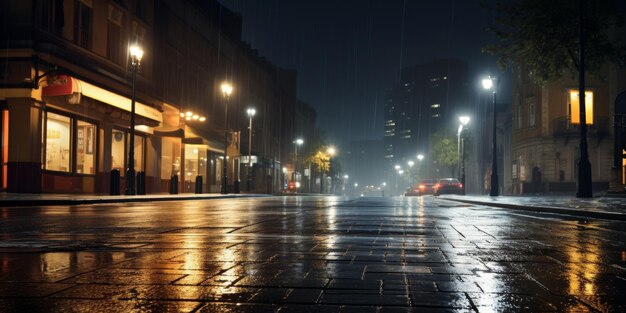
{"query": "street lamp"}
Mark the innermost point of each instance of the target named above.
(420, 157)
(297, 142)
(227, 89)
(136, 53)
(251, 112)
(488, 83)
(461, 141)
(331, 153)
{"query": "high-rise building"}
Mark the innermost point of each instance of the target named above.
(428, 98)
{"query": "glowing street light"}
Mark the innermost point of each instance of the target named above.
(297, 142)
(136, 54)
(488, 83)
(251, 112)
(461, 150)
(227, 90)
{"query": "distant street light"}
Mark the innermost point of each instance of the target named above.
(227, 90)
(297, 142)
(136, 54)
(411, 163)
(331, 153)
(420, 157)
(461, 142)
(488, 83)
(251, 112)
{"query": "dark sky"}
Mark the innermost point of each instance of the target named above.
(348, 52)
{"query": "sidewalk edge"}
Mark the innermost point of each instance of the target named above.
(544, 209)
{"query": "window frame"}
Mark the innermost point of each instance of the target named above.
(73, 164)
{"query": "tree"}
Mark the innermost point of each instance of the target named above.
(543, 36)
(444, 150)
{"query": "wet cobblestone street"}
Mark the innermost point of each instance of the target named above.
(308, 254)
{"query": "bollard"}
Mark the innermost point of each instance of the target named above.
(141, 183)
(198, 184)
(115, 183)
(174, 184)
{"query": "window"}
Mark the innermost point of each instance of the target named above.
(170, 157)
(141, 9)
(531, 111)
(85, 145)
(195, 164)
(519, 117)
(118, 151)
(52, 18)
(83, 23)
(138, 160)
(114, 26)
(58, 138)
(69, 144)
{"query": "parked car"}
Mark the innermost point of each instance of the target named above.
(448, 186)
(424, 187)
(427, 186)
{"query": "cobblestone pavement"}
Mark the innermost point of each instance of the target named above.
(307, 254)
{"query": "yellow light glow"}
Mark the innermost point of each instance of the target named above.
(202, 119)
(136, 52)
(182, 114)
(575, 107)
(189, 113)
(227, 89)
(195, 117)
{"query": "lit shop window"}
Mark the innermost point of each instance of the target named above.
(58, 135)
(139, 144)
(170, 157)
(85, 145)
(118, 151)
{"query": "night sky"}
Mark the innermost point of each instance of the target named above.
(348, 52)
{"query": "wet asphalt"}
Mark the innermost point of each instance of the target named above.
(308, 254)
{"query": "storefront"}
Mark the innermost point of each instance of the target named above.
(68, 136)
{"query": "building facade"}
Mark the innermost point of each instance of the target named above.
(429, 98)
(66, 88)
(546, 137)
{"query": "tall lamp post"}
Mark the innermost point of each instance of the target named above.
(331, 153)
(136, 53)
(297, 142)
(251, 112)
(227, 89)
(488, 83)
(464, 120)
(585, 188)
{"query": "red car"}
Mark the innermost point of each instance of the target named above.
(448, 186)
(425, 187)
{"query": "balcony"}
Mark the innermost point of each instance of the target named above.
(563, 128)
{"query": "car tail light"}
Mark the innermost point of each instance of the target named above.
(422, 186)
(437, 185)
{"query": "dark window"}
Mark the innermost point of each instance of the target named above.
(82, 25)
(113, 42)
(141, 9)
(53, 18)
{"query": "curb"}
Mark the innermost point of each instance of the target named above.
(129, 199)
(546, 209)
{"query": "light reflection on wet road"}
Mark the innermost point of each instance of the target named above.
(307, 254)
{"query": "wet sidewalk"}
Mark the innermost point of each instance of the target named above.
(605, 207)
(23, 199)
